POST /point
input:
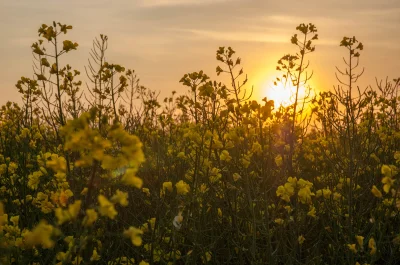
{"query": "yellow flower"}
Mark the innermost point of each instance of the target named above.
(279, 221)
(224, 156)
(376, 192)
(143, 263)
(106, 207)
(135, 235)
(236, 177)
(84, 191)
(278, 160)
(120, 197)
(305, 195)
(73, 209)
(130, 179)
(95, 255)
(312, 212)
(301, 239)
(146, 191)
(14, 220)
(90, 218)
(40, 235)
(34, 179)
(352, 247)
(372, 246)
(182, 188)
(360, 241)
(167, 186)
(388, 171)
(3, 216)
(388, 182)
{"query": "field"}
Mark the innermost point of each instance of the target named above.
(104, 172)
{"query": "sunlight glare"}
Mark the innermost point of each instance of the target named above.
(282, 94)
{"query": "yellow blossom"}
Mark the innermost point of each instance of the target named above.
(146, 191)
(130, 179)
(360, 241)
(182, 188)
(236, 177)
(376, 192)
(135, 235)
(372, 246)
(167, 186)
(305, 195)
(120, 197)
(278, 160)
(90, 218)
(301, 239)
(34, 179)
(352, 247)
(312, 212)
(388, 182)
(95, 256)
(224, 156)
(40, 235)
(106, 207)
(279, 221)
(14, 220)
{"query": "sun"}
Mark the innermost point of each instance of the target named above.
(281, 93)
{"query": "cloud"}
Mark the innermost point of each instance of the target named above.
(242, 36)
(166, 3)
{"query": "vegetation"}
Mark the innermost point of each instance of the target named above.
(104, 173)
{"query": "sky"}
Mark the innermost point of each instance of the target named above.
(164, 39)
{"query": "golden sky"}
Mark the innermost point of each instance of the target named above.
(164, 39)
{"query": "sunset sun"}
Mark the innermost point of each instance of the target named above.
(281, 93)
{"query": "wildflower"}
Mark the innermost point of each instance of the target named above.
(146, 191)
(256, 148)
(74, 209)
(360, 241)
(388, 171)
(135, 235)
(236, 177)
(84, 191)
(388, 182)
(130, 179)
(144, 263)
(14, 220)
(95, 256)
(352, 247)
(182, 188)
(312, 212)
(372, 246)
(301, 239)
(326, 193)
(278, 160)
(3, 216)
(106, 207)
(279, 221)
(207, 257)
(120, 197)
(34, 179)
(90, 218)
(40, 235)
(376, 192)
(167, 186)
(305, 195)
(225, 156)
